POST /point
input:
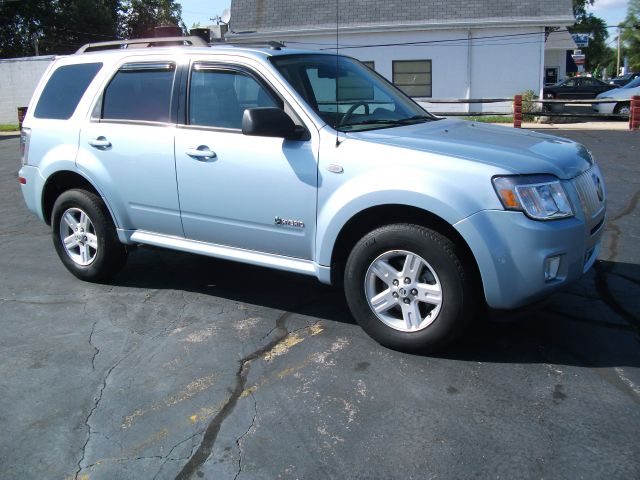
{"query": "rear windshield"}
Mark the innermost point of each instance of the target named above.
(64, 90)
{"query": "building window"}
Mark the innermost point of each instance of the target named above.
(413, 77)
(371, 65)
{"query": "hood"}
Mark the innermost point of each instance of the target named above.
(620, 93)
(518, 151)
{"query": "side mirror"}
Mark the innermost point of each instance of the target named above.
(270, 122)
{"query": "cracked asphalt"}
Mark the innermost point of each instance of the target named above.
(189, 367)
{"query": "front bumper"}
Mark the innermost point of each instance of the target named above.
(604, 108)
(512, 251)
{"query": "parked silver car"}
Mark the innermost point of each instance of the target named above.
(310, 163)
(622, 95)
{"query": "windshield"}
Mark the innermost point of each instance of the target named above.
(633, 84)
(348, 95)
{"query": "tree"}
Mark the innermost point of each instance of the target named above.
(60, 27)
(138, 18)
(54, 27)
(631, 34)
(580, 8)
(598, 55)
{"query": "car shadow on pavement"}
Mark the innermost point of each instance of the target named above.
(577, 327)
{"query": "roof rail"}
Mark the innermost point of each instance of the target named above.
(192, 41)
(239, 43)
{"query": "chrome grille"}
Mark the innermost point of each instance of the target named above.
(587, 186)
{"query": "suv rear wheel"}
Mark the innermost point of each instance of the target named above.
(84, 236)
(408, 288)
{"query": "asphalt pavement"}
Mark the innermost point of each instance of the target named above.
(189, 367)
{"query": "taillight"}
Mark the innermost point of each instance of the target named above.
(25, 136)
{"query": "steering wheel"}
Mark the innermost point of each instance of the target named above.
(352, 108)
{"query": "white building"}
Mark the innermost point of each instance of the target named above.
(442, 49)
(18, 80)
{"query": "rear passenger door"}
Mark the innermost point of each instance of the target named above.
(126, 146)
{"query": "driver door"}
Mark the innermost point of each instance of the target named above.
(234, 189)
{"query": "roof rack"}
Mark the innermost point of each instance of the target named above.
(192, 41)
(239, 43)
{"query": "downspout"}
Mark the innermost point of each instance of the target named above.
(542, 49)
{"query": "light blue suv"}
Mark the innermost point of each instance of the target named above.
(310, 163)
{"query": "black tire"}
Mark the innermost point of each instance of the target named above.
(620, 106)
(443, 257)
(109, 256)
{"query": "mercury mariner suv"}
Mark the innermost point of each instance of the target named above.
(310, 163)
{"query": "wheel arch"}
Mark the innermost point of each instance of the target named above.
(61, 181)
(374, 217)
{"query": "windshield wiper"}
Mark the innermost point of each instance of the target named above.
(372, 122)
(381, 121)
(417, 118)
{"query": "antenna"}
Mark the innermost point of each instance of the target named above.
(337, 69)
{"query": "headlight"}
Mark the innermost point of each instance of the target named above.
(541, 197)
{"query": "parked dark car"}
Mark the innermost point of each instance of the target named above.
(623, 80)
(577, 88)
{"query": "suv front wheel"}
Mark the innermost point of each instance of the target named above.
(85, 237)
(408, 287)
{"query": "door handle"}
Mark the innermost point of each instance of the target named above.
(201, 153)
(101, 143)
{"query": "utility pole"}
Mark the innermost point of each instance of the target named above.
(618, 65)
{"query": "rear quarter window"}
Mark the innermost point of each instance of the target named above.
(65, 88)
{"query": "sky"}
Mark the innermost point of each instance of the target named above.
(612, 11)
(193, 11)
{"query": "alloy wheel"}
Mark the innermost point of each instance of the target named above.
(78, 236)
(403, 291)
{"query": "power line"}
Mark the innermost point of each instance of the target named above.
(450, 42)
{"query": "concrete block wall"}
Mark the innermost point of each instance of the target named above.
(19, 78)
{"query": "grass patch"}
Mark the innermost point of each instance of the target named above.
(8, 127)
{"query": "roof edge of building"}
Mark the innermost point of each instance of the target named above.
(560, 21)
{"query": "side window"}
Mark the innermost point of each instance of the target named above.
(140, 92)
(570, 83)
(65, 88)
(218, 98)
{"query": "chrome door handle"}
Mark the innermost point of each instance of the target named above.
(201, 153)
(101, 143)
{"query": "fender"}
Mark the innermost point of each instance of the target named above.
(391, 187)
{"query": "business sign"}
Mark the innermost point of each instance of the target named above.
(578, 57)
(581, 39)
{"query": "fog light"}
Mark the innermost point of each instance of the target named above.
(551, 268)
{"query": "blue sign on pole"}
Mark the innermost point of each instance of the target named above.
(581, 39)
